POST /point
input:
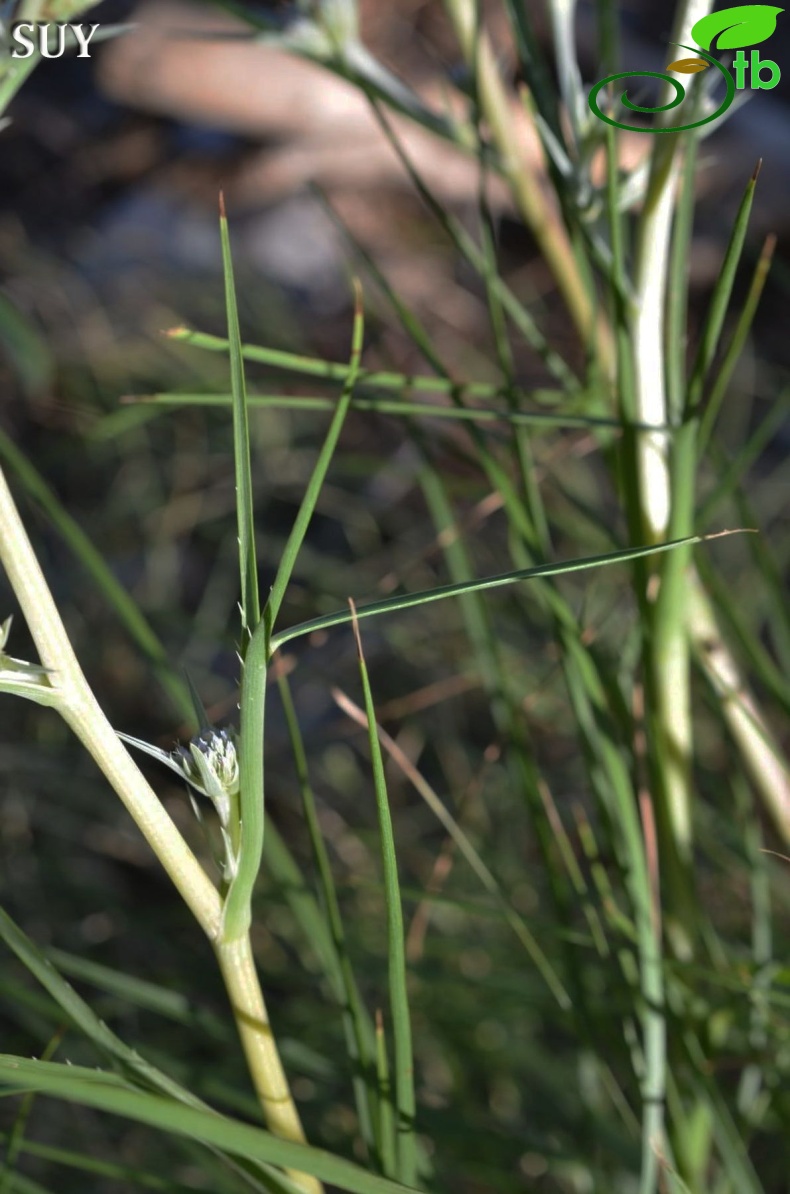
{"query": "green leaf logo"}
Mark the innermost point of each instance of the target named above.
(747, 25)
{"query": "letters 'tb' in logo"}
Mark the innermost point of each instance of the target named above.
(730, 29)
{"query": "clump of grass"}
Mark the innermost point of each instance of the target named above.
(638, 1037)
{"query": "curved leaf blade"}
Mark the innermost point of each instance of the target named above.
(734, 28)
(107, 1092)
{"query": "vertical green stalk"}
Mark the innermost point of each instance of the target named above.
(405, 1102)
(650, 280)
(237, 964)
(250, 601)
(360, 1041)
(662, 473)
(233, 947)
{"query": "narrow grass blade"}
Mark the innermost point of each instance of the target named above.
(387, 406)
(237, 914)
(355, 1021)
(250, 601)
(533, 64)
(405, 1104)
(107, 1093)
(677, 288)
(729, 607)
(736, 344)
(136, 1069)
(337, 371)
(412, 600)
(447, 820)
(408, 320)
(82, 1016)
(311, 495)
(738, 1164)
(733, 471)
(463, 242)
(720, 299)
(772, 576)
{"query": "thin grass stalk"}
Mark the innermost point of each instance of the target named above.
(731, 615)
(360, 1041)
(337, 371)
(667, 664)
(386, 1128)
(405, 1101)
(518, 314)
(537, 420)
(461, 840)
(773, 578)
(650, 282)
(761, 754)
(538, 213)
(754, 1076)
(668, 651)
(245, 518)
(237, 965)
(137, 1069)
(405, 601)
(737, 343)
(233, 947)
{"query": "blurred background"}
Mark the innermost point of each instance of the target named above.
(109, 181)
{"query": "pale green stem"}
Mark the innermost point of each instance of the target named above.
(650, 282)
(73, 697)
(271, 1085)
(672, 690)
(759, 750)
(79, 707)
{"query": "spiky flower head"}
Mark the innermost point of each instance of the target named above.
(211, 765)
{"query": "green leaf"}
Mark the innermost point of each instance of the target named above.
(405, 1101)
(733, 28)
(250, 601)
(410, 600)
(107, 1093)
(238, 912)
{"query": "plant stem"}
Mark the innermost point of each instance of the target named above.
(75, 701)
(82, 712)
(761, 754)
(667, 661)
(237, 965)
